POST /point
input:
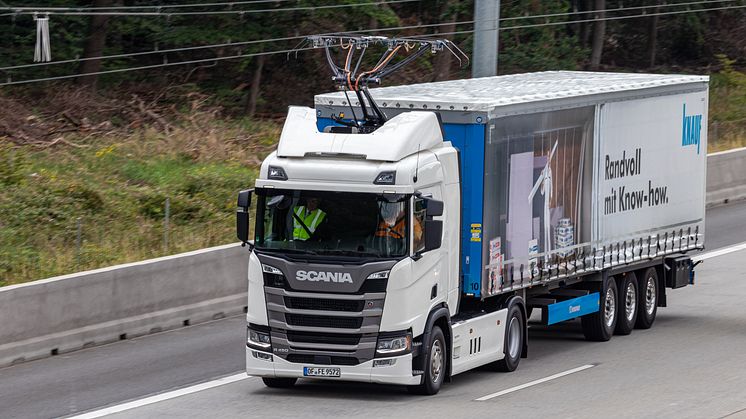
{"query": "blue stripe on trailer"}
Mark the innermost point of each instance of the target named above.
(469, 140)
(576, 307)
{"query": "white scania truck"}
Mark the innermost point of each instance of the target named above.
(468, 205)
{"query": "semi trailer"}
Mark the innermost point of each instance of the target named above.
(415, 250)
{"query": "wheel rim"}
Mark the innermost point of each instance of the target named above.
(514, 337)
(650, 296)
(436, 361)
(630, 302)
(610, 308)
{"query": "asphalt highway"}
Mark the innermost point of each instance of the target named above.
(692, 363)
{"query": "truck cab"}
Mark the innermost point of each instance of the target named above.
(354, 247)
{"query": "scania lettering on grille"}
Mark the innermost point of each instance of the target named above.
(323, 276)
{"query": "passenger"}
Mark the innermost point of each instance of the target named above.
(310, 215)
(393, 225)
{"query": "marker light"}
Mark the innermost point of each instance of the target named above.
(385, 178)
(379, 275)
(277, 173)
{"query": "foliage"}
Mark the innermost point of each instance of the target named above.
(116, 188)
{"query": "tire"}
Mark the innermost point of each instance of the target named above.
(628, 300)
(647, 304)
(435, 365)
(279, 382)
(599, 326)
(514, 338)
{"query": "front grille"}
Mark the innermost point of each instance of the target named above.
(323, 321)
(322, 360)
(331, 338)
(325, 304)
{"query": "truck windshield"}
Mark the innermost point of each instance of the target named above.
(332, 223)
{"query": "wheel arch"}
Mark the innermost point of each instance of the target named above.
(439, 316)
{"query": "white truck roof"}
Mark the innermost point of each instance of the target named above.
(490, 93)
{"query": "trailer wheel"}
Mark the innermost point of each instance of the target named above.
(435, 365)
(514, 338)
(647, 305)
(600, 326)
(279, 382)
(628, 298)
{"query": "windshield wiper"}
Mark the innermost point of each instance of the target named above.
(349, 252)
(285, 250)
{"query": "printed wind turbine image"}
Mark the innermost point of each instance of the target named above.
(545, 183)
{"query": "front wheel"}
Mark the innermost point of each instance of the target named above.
(435, 365)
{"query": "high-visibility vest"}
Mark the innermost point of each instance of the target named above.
(395, 232)
(311, 220)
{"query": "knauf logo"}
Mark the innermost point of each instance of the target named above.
(691, 129)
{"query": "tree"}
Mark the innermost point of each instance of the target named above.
(94, 45)
(653, 34)
(599, 30)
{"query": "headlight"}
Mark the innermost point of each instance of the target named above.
(394, 345)
(271, 270)
(258, 340)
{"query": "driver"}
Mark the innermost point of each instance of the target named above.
(307, 219)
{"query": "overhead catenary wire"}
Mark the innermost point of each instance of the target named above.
(146, 67)
(291, 38)
(145, 7)
(287, 51)
(595, 19)
(75, 12)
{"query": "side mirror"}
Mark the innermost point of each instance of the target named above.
(434, 208)
(433, 234)
(242, 215)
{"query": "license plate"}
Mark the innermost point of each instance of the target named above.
(321, 372)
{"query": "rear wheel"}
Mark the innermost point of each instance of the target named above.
(514, 337)
(600, 326)
(279, 382)
(435, 365)
(647, 303)
(628, 296)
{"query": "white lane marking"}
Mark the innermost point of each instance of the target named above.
(720, 252)
(535, 382)
(161, 397)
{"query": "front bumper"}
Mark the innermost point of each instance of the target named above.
(399, 373)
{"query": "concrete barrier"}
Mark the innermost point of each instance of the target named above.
(71, 312)
(75, 311)
(726, 176)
